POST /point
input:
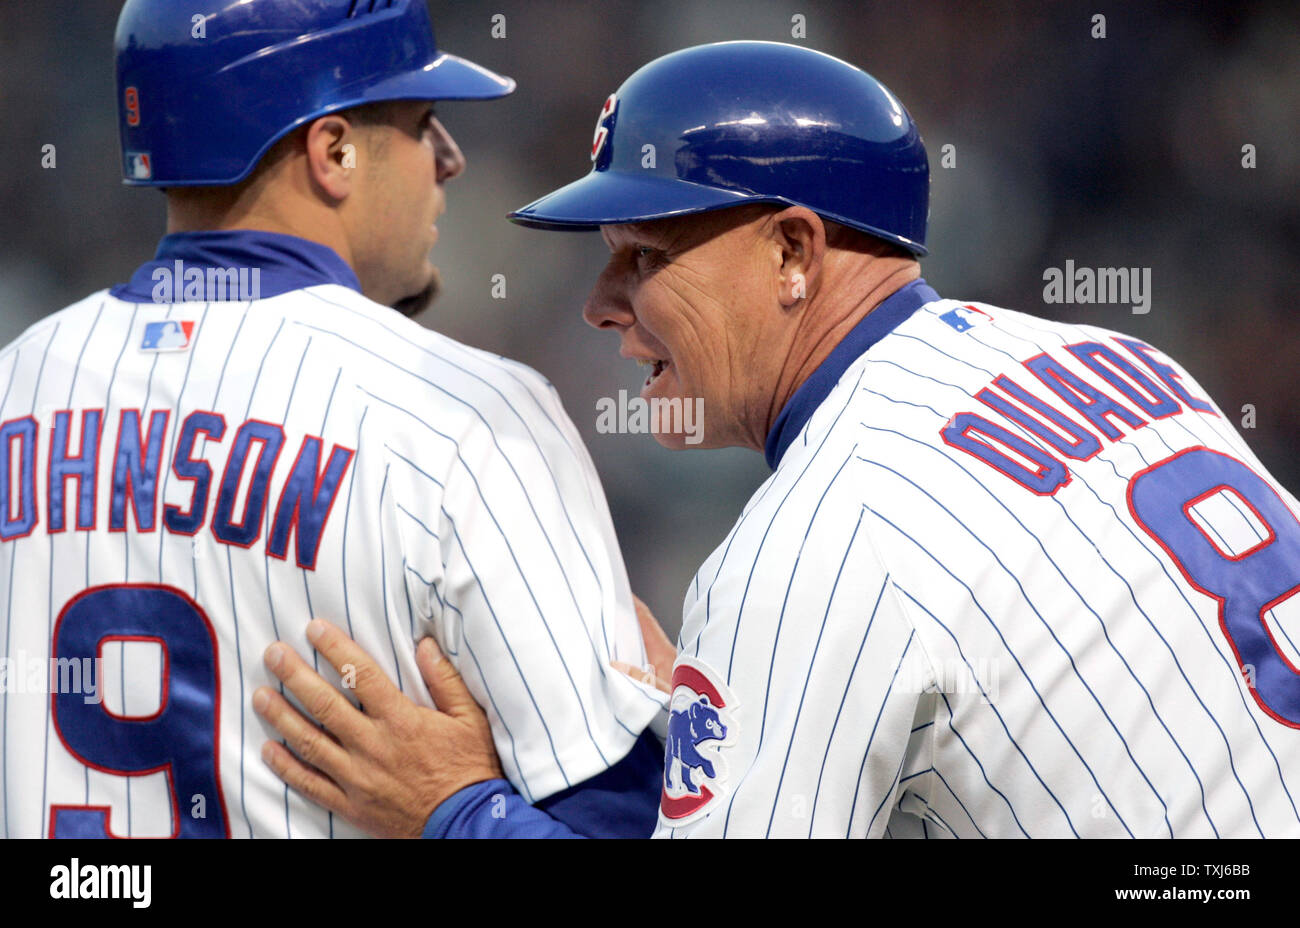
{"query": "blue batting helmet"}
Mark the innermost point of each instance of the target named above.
(201, 97)
(750, 122)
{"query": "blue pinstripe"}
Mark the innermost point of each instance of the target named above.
(266, 557)
(731, 537)
(559, 496)
(383, 581)
(4, 716)
(347, 517)
(883, 800)
(1017, 659)
(600, 660)
(455, 533)
(776, 643)
(811, 663)
(848, 683)
(176, 424)
(952, 727)
(962, 654)
(872, 737)
(523, 780)
(763, 541)
(416, 519)
(306, 586)
(45, 747)
(957, 798)
(1083, 600)
(939, 350)
(938, 819)
(433, 588)
(230, 569)
(1105, 632)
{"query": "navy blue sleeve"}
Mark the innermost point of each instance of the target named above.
(621, 802)
(492, 809)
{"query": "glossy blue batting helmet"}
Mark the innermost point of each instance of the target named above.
(202, 96)
(719, 125)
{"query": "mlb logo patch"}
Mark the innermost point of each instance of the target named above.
(169, 335)
(139, 165)
(701, 726)
(965, 317)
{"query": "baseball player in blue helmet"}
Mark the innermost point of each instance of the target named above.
(245, 436)
(208, 101)
(1009, 577)
(204, 97)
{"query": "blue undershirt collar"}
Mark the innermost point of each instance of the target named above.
(878, 323)
(283, 263)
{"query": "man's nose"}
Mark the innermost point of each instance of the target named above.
(607, 305)
(447, 154)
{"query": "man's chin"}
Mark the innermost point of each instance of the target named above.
(416, 303)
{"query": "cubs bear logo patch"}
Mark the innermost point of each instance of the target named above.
(701, 726)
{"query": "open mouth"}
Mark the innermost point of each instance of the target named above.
(657, 367)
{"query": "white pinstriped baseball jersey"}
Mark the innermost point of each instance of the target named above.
(1011, 578)
(308, 454)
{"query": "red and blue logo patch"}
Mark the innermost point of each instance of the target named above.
(962, 318)
(701, 726)
(139, 165)
(603, 125)
(168, 335)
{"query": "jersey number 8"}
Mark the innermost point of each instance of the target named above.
(1249, 583)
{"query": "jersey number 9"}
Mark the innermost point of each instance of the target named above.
(180, 739)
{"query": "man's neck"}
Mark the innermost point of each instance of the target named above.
(197, 214)
(848, 296)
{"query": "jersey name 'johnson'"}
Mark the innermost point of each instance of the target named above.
(79, 474)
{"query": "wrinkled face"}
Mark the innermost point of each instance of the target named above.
(689, 298)
(403, 168)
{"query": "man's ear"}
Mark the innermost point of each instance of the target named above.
(801, 236)
(332, 144)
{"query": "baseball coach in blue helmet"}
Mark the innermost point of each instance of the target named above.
(804, 156)
(722, 125)
(997, 583)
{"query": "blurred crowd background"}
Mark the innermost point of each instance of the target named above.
(1117, 152)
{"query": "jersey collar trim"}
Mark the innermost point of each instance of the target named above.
(882, 320)
(283, 263)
